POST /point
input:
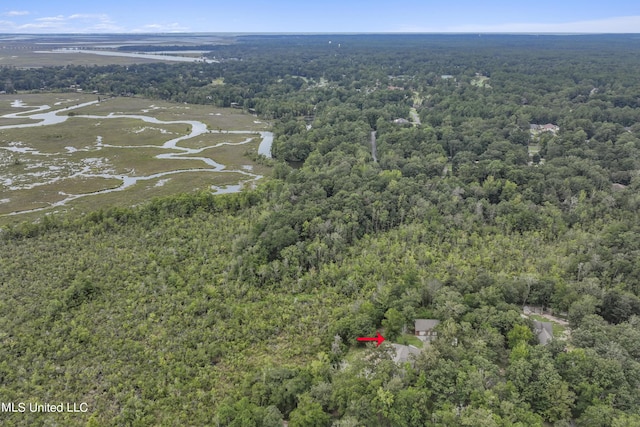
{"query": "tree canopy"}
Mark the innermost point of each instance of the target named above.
(244, 309)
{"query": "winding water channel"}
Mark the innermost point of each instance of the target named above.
(157, 56)
(179, 153)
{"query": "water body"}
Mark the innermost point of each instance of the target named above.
(265, 145)
(49, 118)
(156, 57)
(180, 153)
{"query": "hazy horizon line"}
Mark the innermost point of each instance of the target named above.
(236, 33)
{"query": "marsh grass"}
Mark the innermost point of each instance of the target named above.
(6, 122)
(81, 133)
(232, 156)
(32, 59)
(53, 160)
(32, 100)
(185, 182)
(211, 139)
(47, 194)
(214, 117)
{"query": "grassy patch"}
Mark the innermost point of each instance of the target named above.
(409, 339)
(417, 99)
(480, 81)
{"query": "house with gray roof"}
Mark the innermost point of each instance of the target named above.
(549, 127)
(425, 329)
(405, 353)
(543, 331)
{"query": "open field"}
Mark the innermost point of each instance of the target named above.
(119, 151)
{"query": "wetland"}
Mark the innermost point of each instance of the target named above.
(56, 149)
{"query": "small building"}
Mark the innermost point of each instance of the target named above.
(549, 127)
(401, 121)
(405, 353)
(543, 331)
(425, 329)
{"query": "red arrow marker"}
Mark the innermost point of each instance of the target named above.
(379, 339)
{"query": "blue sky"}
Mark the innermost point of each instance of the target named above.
(47, 16)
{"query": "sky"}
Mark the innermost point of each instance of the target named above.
(329, 16)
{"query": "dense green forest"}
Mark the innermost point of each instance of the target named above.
(244, 309)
